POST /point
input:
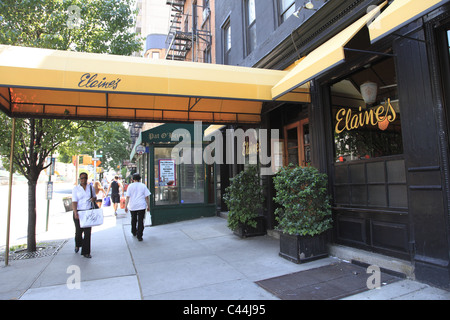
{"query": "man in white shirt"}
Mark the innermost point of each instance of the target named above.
(138, 200)
(82, 199)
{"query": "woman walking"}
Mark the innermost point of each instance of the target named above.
(99, 193)
(82, 199)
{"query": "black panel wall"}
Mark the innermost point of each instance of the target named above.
(422, 160)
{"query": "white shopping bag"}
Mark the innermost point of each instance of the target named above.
(91, 218)
(147, 219)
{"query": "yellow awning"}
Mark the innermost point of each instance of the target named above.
(398, 14)
(61, 84)
(325, 57)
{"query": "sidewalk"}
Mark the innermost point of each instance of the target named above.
(192, 260)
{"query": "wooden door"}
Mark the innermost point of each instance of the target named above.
(297, 143)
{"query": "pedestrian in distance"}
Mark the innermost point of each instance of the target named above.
(138, 200)
(115, 188)
(99, 193)
(82, 199)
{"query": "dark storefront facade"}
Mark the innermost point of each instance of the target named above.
(386, 154)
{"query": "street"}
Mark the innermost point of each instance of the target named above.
(19, 210)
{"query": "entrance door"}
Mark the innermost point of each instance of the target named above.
(297, 143)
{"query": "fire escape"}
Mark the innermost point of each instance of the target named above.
(135, 129)
(186, 33)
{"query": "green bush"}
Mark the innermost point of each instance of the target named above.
(244, 198)
(305, 204)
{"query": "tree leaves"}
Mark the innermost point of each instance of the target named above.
(104, 25)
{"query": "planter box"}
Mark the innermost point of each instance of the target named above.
(301, 249)
(245, 231)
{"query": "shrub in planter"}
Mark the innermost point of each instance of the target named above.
(245, 200)
(305, 210)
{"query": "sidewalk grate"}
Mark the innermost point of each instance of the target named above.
(44, 249)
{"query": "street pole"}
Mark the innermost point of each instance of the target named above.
(76, 170)
(95, 165)
(8, 223)
(50, 172)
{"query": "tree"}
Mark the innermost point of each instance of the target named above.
(112, 140)
(36, 140)
(99, 26)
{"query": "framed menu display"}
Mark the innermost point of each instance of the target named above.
(167, 172)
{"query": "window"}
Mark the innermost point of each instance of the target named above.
(366, 114)
(155, 55)
(226, 32)
(448, 41)
(297, 143)
(369, 168)
(177, 183)
(194, 16)
(192, 183)
(287, 8)
(207, 55)
(250, 25)
(166, 177)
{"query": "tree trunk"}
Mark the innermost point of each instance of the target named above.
(31, 239)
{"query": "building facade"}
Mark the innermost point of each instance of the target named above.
(386, 155)
(191, 31)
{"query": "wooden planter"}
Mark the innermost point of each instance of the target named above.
(301, 249)
(245, 231)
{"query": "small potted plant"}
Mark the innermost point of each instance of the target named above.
(304, 213)
(245, 201)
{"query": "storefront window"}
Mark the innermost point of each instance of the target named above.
(369, 169)
(166, 178)
(192, 183)
(366, 114)
(177, 183)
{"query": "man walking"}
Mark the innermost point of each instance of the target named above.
(138, 199)
(115, 187)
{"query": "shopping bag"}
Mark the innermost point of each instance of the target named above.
(107, 202)
(147, 219)
(90, 218)
(122, 203)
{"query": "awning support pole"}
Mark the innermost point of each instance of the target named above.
(8, 223)
(371, 52)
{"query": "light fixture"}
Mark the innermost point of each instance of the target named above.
(309, 6)
(369, 92)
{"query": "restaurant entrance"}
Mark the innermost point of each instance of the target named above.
(370, 197)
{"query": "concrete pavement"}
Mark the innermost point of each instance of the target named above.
(193, 260)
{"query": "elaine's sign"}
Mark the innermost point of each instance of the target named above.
(94, 81)
(381, 116)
